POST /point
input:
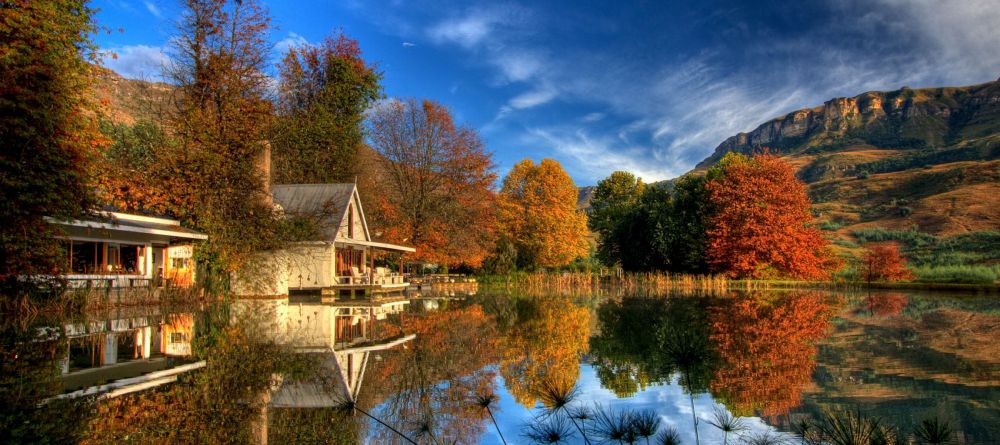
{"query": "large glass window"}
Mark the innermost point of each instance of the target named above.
(88, 257)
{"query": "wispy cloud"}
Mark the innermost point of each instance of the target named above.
(292, 40)
(468, 31)
(532, 98)
(153, 9)
(598, 155)
(409, 44)
(137, 62)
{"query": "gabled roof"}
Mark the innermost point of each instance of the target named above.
(325, 203)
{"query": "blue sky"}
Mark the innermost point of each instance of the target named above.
(648, 86)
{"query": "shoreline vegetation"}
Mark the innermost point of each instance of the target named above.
(663, 281)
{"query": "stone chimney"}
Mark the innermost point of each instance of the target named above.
(264, 164)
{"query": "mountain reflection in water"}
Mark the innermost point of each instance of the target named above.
(462, 369)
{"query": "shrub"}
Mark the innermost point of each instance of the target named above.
(830, 226)
(976, 274)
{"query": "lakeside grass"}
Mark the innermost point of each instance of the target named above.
(957, 278)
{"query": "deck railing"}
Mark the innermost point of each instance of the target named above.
(362, 279)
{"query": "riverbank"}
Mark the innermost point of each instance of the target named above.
(655, 281)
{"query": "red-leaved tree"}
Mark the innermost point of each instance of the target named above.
(760, 218)
(882, 262)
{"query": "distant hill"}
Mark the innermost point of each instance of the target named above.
(928, 158)
(124, 100)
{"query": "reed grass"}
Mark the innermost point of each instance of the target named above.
(638, 283)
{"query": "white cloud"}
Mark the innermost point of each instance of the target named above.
(138, 61)
(153, 9)
(292, 40)
(467, 31)
(409, 44)
(592, 117)
(517, 65)
(532, 98)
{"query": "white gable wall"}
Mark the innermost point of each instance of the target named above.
(360, 225)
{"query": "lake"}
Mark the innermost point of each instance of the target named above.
(533, 364)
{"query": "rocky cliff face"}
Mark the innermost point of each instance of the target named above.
(906, 118)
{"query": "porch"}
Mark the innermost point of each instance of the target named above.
(356, 275)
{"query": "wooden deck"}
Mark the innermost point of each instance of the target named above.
(358, 290)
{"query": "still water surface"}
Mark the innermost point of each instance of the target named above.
(285, 370)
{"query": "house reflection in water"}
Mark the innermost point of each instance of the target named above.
(343, 336)
(109, 349)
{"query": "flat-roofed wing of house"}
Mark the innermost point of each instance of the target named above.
(116, 249)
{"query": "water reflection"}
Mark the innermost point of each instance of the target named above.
(767, 349)
(710, 367)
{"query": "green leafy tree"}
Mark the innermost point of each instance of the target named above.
(685, 234)
(642, 235)
(615, 197)
(324, 91)
(48, 137)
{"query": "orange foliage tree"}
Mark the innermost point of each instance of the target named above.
(436, 185)
(544, 346)
(759, 221)
(48, 136)
(538, 212)
(882, 262)
(766, 344)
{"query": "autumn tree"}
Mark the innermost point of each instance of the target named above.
(614, 198)
(323, 93)
(48, 136)
(538, 211)
(221, 121)
(882, 262)
(760, 220)
(145, 150)
(436, 183)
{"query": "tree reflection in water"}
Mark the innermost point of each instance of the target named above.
(885, 304)
(754, 352)
(766, 344)
(543, 346)
(30, 354)
(436, 378)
